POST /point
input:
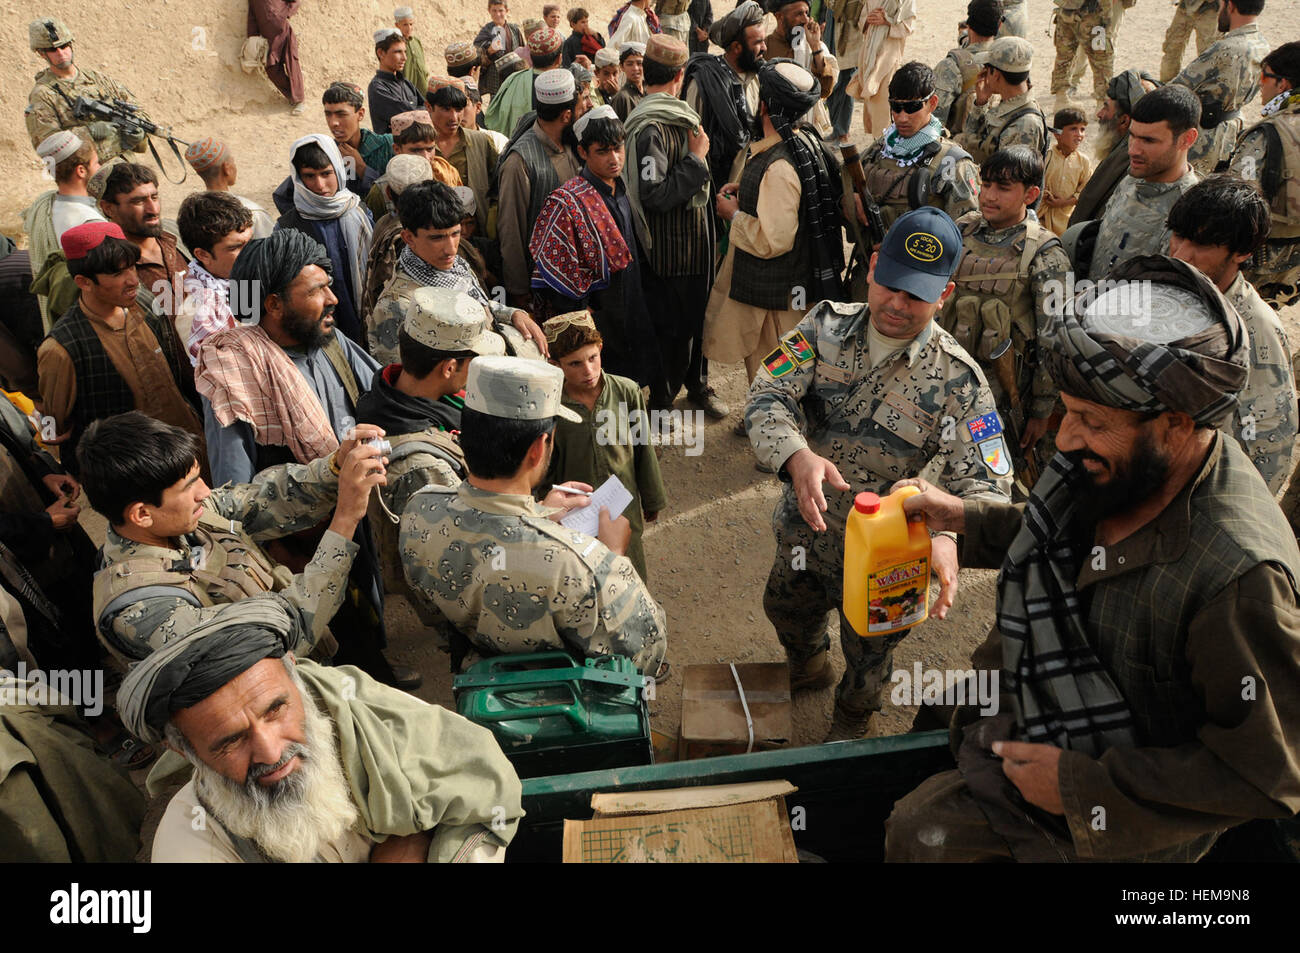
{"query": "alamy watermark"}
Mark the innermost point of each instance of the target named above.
(82, 688)
(638, 427)
(933, 686)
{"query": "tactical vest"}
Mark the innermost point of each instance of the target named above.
(424, 450)
(899, 190)
(769, 282)
(1280, 178)
(970, 71)
(235, 568)
(993, 301)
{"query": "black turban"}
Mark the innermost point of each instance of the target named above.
(273, 263)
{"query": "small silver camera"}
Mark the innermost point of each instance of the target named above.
(379, 443)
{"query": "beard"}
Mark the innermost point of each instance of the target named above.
(1131, 483)
(1108, 137)
(306, 330)
(293, 819)
(749, 61)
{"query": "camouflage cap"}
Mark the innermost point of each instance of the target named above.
(449, 320)
(517, 389)
(1011, 54)
(47, 33)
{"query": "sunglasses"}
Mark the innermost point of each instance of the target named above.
(907, 105)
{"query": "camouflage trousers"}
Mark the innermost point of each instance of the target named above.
(805, 585)
(1015, 21)
(1089, 32)
(1080, 61)
(1206, 25)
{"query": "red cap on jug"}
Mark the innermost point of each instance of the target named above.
(866, 503)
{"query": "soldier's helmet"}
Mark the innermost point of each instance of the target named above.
(47, 33)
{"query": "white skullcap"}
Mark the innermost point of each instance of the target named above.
(606, 57)
(600, 112)
(466, 196)
(403, 13)
(796, 76)
(1148, 311)
(403, 171)
(554, 86)
(58, 146)
(637, 48)
(385, 33)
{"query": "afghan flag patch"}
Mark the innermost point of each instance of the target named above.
(779, 362)
(798, 348)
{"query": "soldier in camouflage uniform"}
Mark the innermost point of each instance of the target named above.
(1269, 153)
(955, 74)
(495, 563)
(47, 112)
(1162, 129)
(431, 214)
(1216, 226)
(177, 553)
(416, 403)
(1010, 282)
(859, 397)
(1016, 119)
(1225, 78)
(1199, 15)
(1083, 25)
(1015, 18)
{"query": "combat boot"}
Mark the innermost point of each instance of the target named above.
(848, 724)
(814, 672)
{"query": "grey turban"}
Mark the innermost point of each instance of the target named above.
(730, 28)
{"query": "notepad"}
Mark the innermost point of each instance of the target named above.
(611, 494)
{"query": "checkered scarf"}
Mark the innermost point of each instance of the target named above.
(459, 277)
(819, 196)
(1062, 694)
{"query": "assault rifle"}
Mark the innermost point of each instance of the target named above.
(132, 125)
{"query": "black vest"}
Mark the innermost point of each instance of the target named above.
(101, 390)
(769, 282)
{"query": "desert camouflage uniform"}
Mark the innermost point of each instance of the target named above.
(953, 187)
(950, 84)
(1265, 420)
(1015, 18)
(1017, 121)
(1275, 269)
(1201, 15)
(1133, 222)
(908, 416)
(1227, 74)
(385, 321)
(172, 590)
(1084, 25)
(47, 112)
(512, 580)
(993, 270)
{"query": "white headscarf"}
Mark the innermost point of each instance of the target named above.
(343, 205)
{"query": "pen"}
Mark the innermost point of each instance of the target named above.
(569, 489)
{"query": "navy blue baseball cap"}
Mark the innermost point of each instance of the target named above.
(919, 254)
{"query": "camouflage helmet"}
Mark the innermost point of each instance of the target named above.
(47, 33)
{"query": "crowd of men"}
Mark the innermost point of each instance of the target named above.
(398, 381)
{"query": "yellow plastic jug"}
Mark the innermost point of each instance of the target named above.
(886, 565)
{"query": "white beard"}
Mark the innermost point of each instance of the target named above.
(299, 815)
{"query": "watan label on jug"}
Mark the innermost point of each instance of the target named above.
(896, 596)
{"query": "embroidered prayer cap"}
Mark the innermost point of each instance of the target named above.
(599, 112)
(1160, 336)
(630, 47)
(555, 87)
(385, 33)
(471, 89)
(606, 57)
(531, 26)
(544, 41)
(403, 13)
(467, 200)
(667, 50)
(730, 28)
(555, 326)
(403, 121)
(460, 53)
(1011, 54)
(80, 240)
(919, 254)
(446, 319)
(411, 170)
(58, 146)
(206, 153)
(516, 388)
(509, 63)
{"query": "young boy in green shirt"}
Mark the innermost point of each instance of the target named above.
(614, 436)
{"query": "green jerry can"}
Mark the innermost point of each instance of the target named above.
(552, 714)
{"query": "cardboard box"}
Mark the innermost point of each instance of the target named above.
(731, 823)
(713, 718)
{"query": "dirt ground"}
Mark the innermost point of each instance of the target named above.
(710, 552)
